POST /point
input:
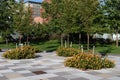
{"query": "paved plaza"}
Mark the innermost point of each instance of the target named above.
(49, 66)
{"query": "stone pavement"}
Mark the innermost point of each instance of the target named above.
(48, 66)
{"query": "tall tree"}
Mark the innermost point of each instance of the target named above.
(112, 9)
(65, 16)
(72, 16)
(54, 11)
(22, 19)
(6, 13)
(88, 14)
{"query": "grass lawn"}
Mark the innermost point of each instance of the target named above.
(112, 49)
(52, 45)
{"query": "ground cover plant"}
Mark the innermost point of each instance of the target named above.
(67, 51)
(86, 61)
(24, 52)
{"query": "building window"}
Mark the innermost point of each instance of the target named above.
(36, 10)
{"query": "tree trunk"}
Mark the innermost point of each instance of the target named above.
(27, 39)
(79, 40)
(117, 40)
(61, 40)
(6, 42)
(20, 39)
(68, 41)
(88, 38)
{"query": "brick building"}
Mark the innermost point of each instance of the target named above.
(36, 10)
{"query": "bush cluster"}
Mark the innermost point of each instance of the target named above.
(86, 61)
(24, 52)
(67, 52)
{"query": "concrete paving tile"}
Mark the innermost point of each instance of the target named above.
(20, 66)
(71, 76)
(57, 60)
(93, 72)
(7, 64)
(14, 61)
(58, 78)
(3, 68)
(28, 74)
(6, 71)
(59, 70)
(104, 79)
(41, 69)
(36, 65)
(10, 65)
(18, 69)
(42, 76)
(103, 71)
(62, 73)
(58, 66)
(3, 78)
(23, 72)
(22, 78)
(88, 76)
(104, 75)
(81, 78)
(1, 59)
(1, 75)
(27, 60)
(36, 69)
(48, 63)
(12, 75)
(114, 78)
(44, 79)
(74, 70)
(118, 75)
(55, 69)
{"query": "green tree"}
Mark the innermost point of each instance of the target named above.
(54, 11)
(88, 14)
(41, 31)
(112, 9)
(22, 19)
(65, 16)
(6, 13)
(70, 16)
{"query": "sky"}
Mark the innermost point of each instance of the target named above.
(32, 0)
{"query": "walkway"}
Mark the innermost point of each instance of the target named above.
(48, 66)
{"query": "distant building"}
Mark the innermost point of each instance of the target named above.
(35, 6)
(36, 10)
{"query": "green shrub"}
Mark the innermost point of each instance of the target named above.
(24, 52)
(88, 61)
(67, 52)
